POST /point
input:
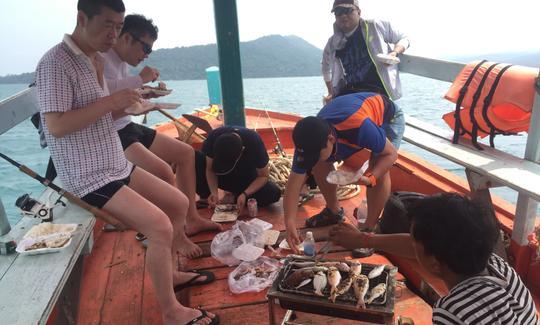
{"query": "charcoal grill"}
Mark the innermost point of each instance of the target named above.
(380, 311)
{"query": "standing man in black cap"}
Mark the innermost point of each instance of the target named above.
(345, 126)
(234, 159)
(351, 61)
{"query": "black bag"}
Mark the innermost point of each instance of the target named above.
(395, 219)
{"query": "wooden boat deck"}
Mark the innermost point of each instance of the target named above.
(116, 288)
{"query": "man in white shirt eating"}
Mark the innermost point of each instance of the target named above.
(142, 145)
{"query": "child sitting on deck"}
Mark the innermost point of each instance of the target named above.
(453, 237)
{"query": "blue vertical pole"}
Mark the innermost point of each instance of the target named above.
(229, 61)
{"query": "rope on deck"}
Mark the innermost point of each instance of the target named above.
(280, 169)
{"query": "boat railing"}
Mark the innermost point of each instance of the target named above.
(487, 168)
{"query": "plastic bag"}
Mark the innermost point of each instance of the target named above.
(254, 276)
(225, 243)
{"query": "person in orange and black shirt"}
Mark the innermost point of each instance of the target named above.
(345, 126)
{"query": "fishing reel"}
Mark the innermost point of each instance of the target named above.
(33, 208)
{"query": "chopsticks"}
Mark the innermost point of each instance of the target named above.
(323, 251)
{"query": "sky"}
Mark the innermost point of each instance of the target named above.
(28, 28)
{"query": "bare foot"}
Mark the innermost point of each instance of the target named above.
(187, 248)
(185, 315)
(198, 224)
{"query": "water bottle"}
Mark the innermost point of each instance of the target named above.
(4, 223)
(309, 244)
(361, 212)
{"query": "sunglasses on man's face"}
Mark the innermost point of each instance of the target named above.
(339, 11)
(147, 49)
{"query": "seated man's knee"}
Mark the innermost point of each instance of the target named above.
(160, 231)
(271, 194)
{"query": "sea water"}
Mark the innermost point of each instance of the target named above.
(302, 95)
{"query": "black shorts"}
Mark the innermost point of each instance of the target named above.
(134, 132)
(102, 195)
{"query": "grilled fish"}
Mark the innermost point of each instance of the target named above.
(319, 283)
(376, 271)
(356, 269)
(342, 266)
(334, 278)
(342, 287)
(376, 292)
(297, 277)
(361, 286)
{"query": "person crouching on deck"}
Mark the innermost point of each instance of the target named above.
(235, 160)
(454, 238)
(76, 114)
(343, 127)
(142, 145)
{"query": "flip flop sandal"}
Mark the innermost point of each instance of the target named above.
(204, 314)
(305, 198)
(210, 277)
(324, 218)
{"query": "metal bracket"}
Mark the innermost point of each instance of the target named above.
(479, 182)
(87, 249)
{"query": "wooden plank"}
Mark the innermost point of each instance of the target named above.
(17, 108)
(123, 298)
(96, 276)
(518, 174)
(34, 283)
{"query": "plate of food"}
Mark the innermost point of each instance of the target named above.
(160, 90)
(44, 245)
(388, 59)
(225, 213)
(146, 106)
(46, 238)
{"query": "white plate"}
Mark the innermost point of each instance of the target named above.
(146, 106)
(23, 244)
(285, 245)
(154, 91)
(261, 224)
(247, 252)
(270, 237)
(168, 105)
(388, 59)
(140, 108)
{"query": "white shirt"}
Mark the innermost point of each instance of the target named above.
(117, 75)
(91, 157)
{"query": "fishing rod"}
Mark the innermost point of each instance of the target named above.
(63, 193)
(279, 148)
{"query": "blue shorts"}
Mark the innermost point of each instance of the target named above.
(395, 128)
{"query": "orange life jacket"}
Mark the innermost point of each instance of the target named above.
(491, 98)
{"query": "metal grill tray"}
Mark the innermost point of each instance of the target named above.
(349, 296)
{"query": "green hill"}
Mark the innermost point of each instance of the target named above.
(265, 57)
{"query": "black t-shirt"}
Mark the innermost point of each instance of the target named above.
(254, 155)
(360, 72)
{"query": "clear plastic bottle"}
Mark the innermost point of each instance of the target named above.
(309, 244)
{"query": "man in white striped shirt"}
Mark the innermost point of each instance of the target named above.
(454, 238)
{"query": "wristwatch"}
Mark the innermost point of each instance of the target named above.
(372, 179)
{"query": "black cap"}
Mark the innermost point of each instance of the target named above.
(345, 4)
(227, 150)
(310, 136)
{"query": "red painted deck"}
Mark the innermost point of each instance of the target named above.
(116, 289)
